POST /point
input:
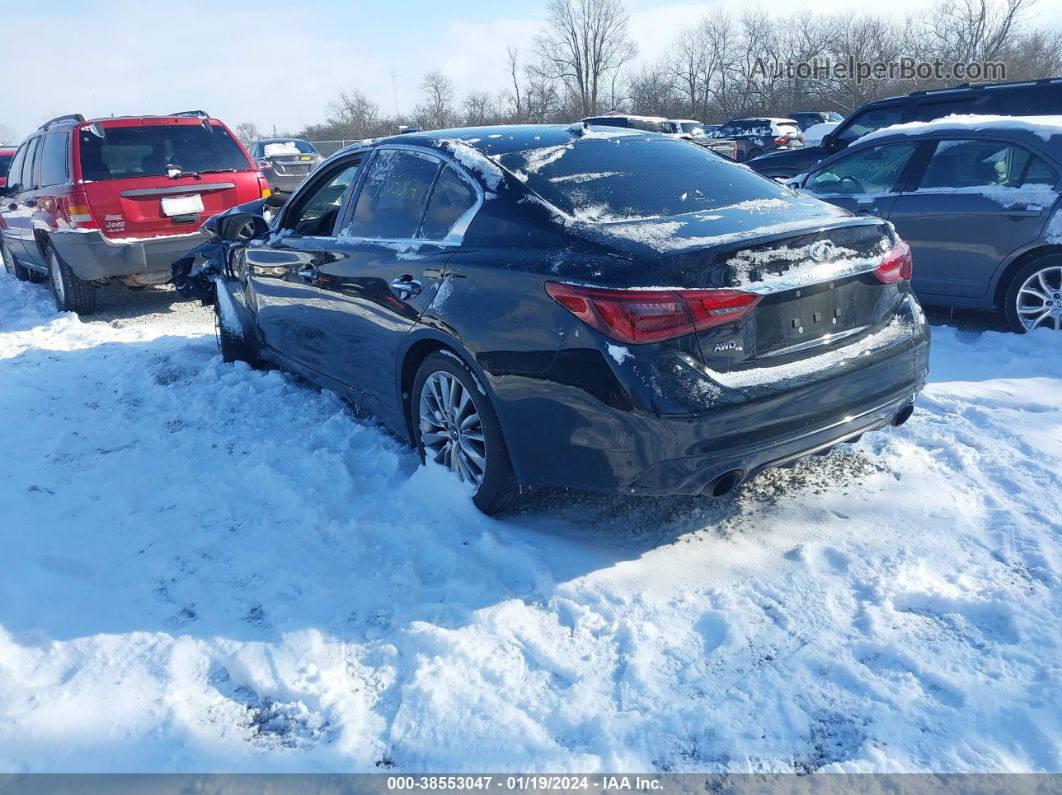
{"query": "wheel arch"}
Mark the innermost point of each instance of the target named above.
(417, 347)
(1006, 274)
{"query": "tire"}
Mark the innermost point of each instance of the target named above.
(233, 347)
(71, 293)
(21, 273)
(446, 417)
(1034, 296)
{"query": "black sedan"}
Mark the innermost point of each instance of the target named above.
(609, 310)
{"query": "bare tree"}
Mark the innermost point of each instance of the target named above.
(479, 109)
(583, 44)
(514, 74)
(437, 110)
(975, 30)
(247, 132)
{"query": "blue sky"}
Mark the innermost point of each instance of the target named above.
(281, 61)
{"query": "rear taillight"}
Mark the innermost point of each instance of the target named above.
(897, 264)
(263, 164)
(781, 140)
(640, 316)
(75, 208)
(263, 186)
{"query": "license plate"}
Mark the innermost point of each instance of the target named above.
(182, 205)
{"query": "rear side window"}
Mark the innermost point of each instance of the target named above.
(450, 200)
(158, 151)
(603, 180)
(1031, 100)
(928, 110)
(54, 169)
(26, 179)
(979, 163)
(392, 199)
(867, 122)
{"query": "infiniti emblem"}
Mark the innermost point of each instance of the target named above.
(822, 251)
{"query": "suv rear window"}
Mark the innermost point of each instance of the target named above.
(125, 152)
(747, 127)
(5, 164)
(625, 178)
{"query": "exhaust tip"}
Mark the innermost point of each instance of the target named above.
(725, 483)
(903, 415)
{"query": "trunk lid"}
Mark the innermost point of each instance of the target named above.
(811, 267)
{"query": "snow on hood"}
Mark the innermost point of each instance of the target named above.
(1042, 126)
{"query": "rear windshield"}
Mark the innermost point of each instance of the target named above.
(631, 122)
(625, 178)
(169, 150)
(291, 147)
(5, 164)
(692, 127)
(748, 127)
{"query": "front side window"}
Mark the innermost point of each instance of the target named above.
(979, 163)
(633, 177)
(393, 197)
(873, 170)
(315, 215)
(16, 167)
(158, 151)
(53, 159)
(450, 200)
(868, 122)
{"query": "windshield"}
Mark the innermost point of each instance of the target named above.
(5, 164)
(160, 151)
(288, 147)
(624, 178)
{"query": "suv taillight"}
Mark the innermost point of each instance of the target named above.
(75, 208)
(781, 140)
(897, 265)
(640, 316)
(263, 164)
(263, 185)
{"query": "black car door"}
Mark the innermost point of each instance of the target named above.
(405, 223)
(978, 201)
(296, 316)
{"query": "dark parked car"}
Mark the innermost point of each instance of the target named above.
(810, 118)
(91, 200)
(762, 134)
(6, 156)
(977, 202)
(285, 162)
(550, 306)
(1039, 98)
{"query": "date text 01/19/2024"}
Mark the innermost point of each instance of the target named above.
(604, 783)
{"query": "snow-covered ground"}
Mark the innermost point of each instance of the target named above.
(205, 567)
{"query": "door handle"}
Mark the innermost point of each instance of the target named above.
(309, 273)
(405, 287)
(1021, 211)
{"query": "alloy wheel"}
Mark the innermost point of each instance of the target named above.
(451, 429)
(57, 279)
(1039, 299)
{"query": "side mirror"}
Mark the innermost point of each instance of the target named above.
(827, 142)
(238, 227)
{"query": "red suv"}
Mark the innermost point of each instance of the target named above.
(6, 155)
(120, 198)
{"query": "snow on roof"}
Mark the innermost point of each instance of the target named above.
(1042, 126)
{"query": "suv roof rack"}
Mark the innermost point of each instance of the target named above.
(77, 118)
(200, 113)
(983, 86)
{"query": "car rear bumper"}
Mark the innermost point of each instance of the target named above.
(589, 445)
(90, 255)
(283, 183)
